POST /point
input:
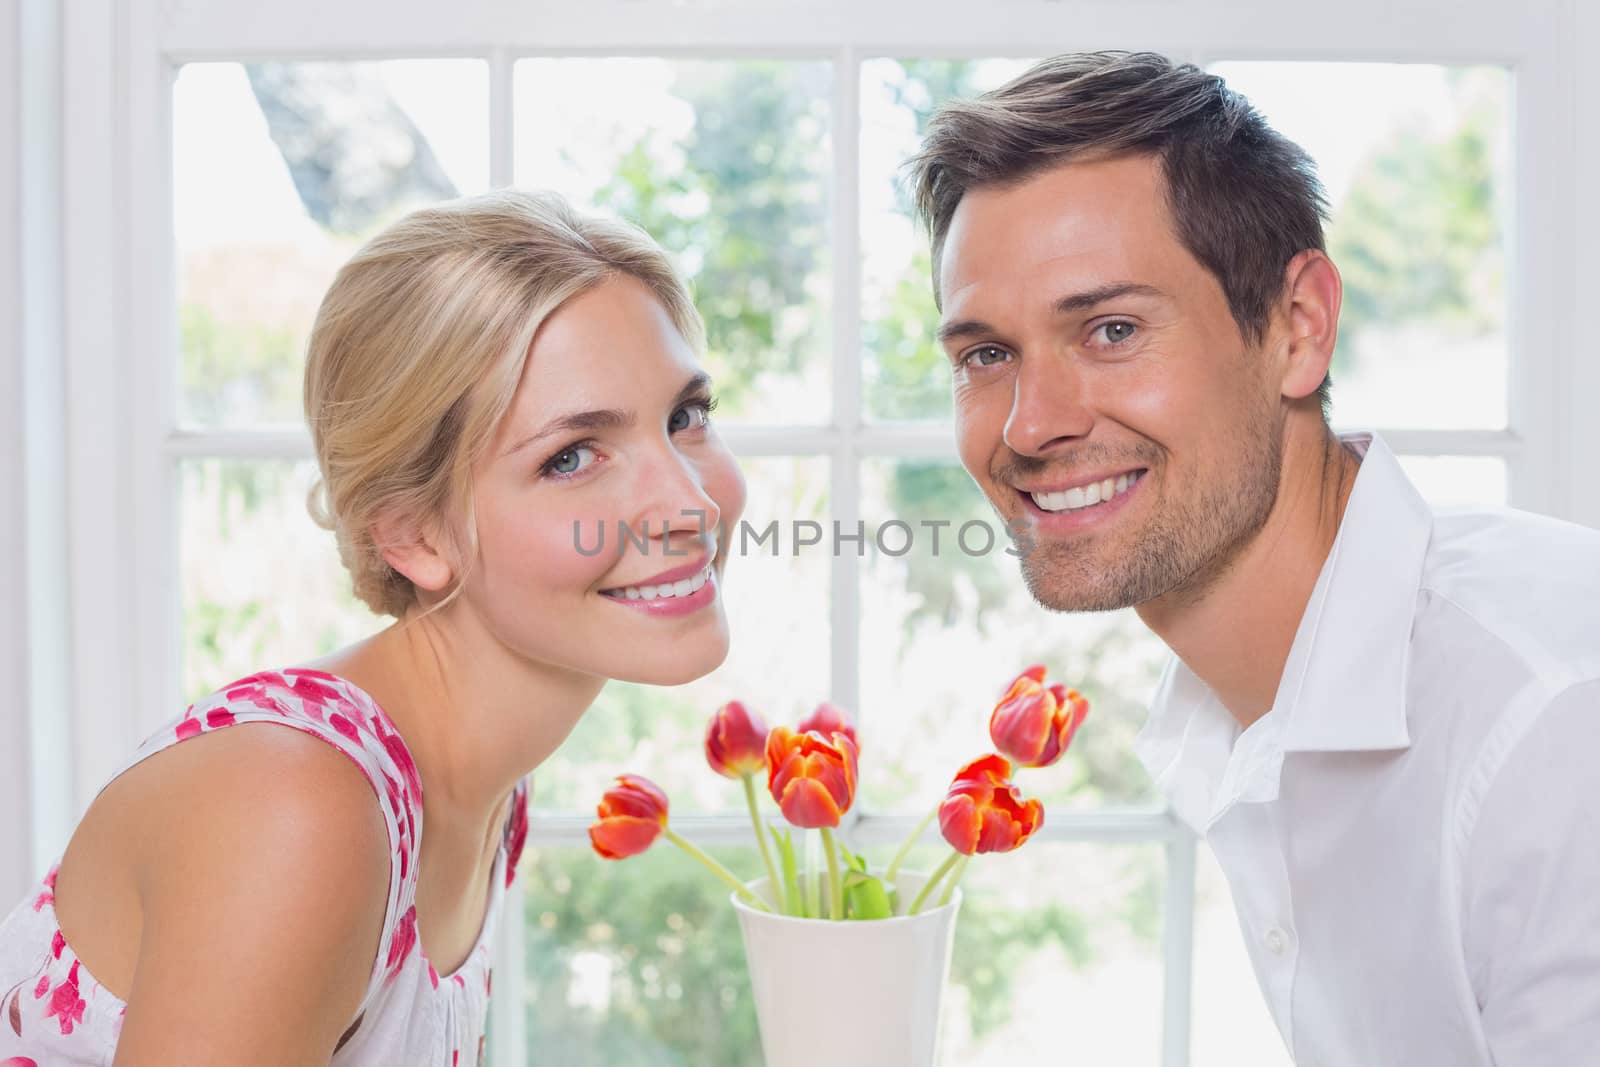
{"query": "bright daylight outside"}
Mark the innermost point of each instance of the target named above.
(281, 170)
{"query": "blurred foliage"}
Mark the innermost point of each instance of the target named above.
(745, 213)
(1418, 236)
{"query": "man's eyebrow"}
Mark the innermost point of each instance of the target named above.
(962, 329)
(1090, 297)
(605, 418)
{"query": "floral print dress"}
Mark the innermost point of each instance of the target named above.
(53, 1012)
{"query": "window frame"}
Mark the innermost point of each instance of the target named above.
(119, 332)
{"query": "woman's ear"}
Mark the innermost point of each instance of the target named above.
(415, 549)
(1312, 294)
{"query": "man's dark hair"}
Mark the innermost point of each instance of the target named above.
(1243, 198)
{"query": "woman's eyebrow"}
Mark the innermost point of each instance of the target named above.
(605, 418)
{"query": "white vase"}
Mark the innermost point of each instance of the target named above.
(858, 993)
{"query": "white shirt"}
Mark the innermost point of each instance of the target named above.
(1412, 833)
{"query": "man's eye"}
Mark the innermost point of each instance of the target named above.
(1117, 332)
(986, 356)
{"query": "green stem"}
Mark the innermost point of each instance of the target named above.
(933, 880)
(955, 879)
(835, 884)
(905, 849)
(717, 869)
(761, 839)
(813, 879)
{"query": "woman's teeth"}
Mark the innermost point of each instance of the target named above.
(1085, 496)
(664, 591)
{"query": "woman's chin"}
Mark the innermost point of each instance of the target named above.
(673, 663)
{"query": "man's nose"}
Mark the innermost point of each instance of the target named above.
(1048, 408)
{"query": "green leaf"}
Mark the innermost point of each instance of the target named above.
(791, 871)
(865, 897)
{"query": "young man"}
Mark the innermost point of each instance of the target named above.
(1380, 718)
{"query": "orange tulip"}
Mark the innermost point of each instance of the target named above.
(633, 813)
(736, 741)
(829, 719)
(1034, 723)
(984, 812)
(812, 777)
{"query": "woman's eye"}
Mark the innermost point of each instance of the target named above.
(986, 356)
(570, 460)
(693, 416)
(1117, 332)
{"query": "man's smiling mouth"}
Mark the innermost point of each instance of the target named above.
(1086, 494)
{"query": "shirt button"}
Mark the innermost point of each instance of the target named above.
(1276, 940)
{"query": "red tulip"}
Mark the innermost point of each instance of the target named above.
(984, 812)
(736, 741)
(829, 719)
(632, 815)
(812, 777)
(1034, 723)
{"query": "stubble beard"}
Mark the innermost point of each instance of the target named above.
(1189, 542)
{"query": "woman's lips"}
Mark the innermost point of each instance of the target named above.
(674, 606)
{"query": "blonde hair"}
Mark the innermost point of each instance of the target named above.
(418, 347)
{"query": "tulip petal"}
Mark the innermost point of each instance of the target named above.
(960, 822)
(736, 739)
(807, 804)
(622, 836)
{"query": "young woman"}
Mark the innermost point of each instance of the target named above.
(484, 378)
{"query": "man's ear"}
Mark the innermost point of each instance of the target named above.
(1311, 299)
(415, 549)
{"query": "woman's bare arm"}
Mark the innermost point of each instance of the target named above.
(262, 893)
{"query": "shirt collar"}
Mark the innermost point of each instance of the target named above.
(1344, 683)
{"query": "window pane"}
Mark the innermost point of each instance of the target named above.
(280, 170)
(262, 585)
(778, 664)
(640, 962)
(944, 629)
(905, 372)
(727, 163)
(1451, 481)
(1416, 163)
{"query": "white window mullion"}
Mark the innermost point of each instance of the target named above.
(95, 355)
(41, 561)
(502, 120)
(844, 491)
(1539, 324)
(1582, 351)
(152, 390)
(1114, 826)
(1177, 948)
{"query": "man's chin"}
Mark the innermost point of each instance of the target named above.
(1077, 593)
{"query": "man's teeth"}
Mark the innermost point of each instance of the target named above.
(1085, 496)
(664, 591)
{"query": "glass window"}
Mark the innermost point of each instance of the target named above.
(640, 961)
(727, 163)
(262, 585)
(280, 170)
(1416, 162)
(906, 375)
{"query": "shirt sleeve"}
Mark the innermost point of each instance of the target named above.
(1531, 913)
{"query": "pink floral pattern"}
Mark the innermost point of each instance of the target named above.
(59, 1015)
(65, 1003)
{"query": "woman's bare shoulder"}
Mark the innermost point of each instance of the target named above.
(254, 861)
